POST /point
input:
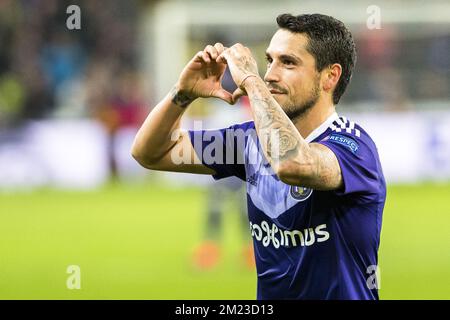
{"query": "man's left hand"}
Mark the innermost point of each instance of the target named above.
(242, 66)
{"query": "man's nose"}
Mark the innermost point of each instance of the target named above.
(271, 74)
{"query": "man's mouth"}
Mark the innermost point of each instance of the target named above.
(273, 91)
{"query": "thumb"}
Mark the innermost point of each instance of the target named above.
(224, 95)
(237, 94)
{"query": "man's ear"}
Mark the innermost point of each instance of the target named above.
(331, 76)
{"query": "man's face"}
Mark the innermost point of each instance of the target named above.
(291, 73)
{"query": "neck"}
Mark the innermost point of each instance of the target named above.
(312, 119)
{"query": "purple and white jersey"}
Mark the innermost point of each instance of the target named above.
(308, 244)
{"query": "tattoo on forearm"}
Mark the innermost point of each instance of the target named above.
(277, 133)
(275, 128)
(247, 65)
(180, 98)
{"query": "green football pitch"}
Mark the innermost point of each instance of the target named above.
(136, 241)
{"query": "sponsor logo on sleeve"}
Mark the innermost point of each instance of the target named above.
(345, 141)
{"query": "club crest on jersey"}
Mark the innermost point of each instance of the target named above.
(300, 193)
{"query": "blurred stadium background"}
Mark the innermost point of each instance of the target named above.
(72, 100)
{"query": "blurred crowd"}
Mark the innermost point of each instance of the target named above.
(402, 69)
(47, 70)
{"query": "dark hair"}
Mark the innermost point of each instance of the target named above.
(329, 41)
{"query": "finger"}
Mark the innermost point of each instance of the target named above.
(198, 57)
(205, 56)
(237, 94)
(212, 51)
(224, 95)
(223, 56)
(238, 48)
(219, 47)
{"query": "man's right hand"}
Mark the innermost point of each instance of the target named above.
(202, 76)
(159, 143)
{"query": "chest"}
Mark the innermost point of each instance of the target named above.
(267, 192)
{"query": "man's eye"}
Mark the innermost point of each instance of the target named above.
(288, 62)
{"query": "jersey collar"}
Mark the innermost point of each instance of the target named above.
(322, 128)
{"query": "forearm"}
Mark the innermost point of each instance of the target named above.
(154, 139)
(281, 142)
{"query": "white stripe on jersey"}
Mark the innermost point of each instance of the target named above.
(342, 124)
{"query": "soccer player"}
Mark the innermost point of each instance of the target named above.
(315, 187)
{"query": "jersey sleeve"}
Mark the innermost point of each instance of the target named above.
(222, 150)
(358, 160)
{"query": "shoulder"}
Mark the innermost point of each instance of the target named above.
(347, 127)
(344, 125)
(345, 132)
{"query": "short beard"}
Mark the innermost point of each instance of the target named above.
(299, 111)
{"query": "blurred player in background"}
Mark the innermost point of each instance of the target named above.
(208, 254)
(315, 187)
